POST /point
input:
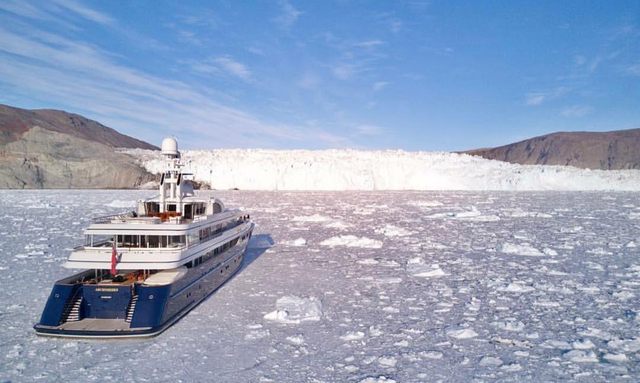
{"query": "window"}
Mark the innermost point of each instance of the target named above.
(194, 238)
(153, 241)
(205, 233)
(176, 240)
(152, 208)
(97, 240)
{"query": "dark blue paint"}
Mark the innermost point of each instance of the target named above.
(54, 309)
(157, 307)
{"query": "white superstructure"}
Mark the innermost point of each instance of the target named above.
(165, 232)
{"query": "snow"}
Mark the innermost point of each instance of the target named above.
(345, 169)
(443, 302)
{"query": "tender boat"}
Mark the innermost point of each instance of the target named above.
(146, 269)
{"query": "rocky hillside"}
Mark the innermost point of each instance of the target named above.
(54, 149)
(592, 150)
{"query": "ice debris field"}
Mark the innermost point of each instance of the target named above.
(346, 169)
(359, 287)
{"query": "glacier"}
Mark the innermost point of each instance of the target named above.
(347, 169)
(393, 286)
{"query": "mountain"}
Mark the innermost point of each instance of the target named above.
(55, 149)
(591, 150)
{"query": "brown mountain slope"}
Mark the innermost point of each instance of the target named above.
(14, 122)
(55, 149)
(593, 150)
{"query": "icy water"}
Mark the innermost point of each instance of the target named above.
(359, 287)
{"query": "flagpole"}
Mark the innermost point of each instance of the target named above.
(114, 254)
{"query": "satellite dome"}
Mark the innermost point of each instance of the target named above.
(170, 146)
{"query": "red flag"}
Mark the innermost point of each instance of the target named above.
(114, 257)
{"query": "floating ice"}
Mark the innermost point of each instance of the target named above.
(583, 344)
(352, 241)
(311, 218)
(492, 361)
(522, 249)
(293, 310)
(379, 379)
(519, 213)
(387, 361)
(338, 225)
(425, 203)
(615, 358)
(581, 356)
(352, 335)
(257, 334)
(122, 203)
(461, 333)
(296, 340)
(431, 354)
(626, 345)
(393, 231)
(367, 261)
(538, 315)
(517, 287)
(296, 242)
(418, 268)
(509, 325)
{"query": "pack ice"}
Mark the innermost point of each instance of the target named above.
(357, 286)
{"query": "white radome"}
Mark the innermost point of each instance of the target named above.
(170, 146)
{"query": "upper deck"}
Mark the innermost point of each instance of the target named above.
(163, 232)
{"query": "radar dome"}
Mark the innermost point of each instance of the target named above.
(170, 146)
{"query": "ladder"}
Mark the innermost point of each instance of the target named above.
(131, 308)
(71, 311)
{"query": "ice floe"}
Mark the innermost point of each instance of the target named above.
(417, 267)
(461, 333)
(292, 309)
(520, 249)
(352, 241)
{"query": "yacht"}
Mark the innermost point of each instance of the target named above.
(145, 269)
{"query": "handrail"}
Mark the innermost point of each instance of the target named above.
(108, 218)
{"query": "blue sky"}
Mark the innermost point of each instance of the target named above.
(416, 75)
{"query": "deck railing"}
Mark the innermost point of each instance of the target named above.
(109, 218)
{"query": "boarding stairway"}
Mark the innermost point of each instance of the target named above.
(131, 308)
(71, 312)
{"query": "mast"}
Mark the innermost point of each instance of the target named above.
(171, 185)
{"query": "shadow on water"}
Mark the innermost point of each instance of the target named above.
(258, 244)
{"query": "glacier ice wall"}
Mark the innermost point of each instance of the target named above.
(346, 169)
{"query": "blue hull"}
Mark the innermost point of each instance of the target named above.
(76, 309)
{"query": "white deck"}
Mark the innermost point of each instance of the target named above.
(166, 277)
